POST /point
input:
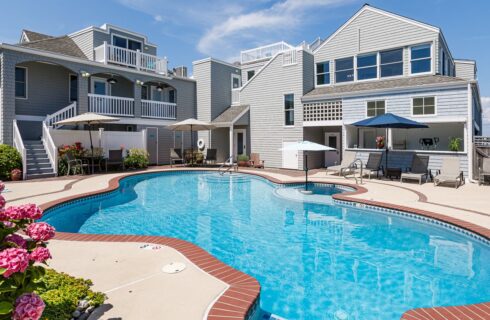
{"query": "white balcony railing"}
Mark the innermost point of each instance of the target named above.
(235, 96)
(107, 53)
(115, 106)
(62, 114)
(50, 147)
(158, 109)
(263, 52)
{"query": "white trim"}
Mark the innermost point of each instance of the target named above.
(99, 79)
(210, 59)
(432, 60)
(235, 140)
(331, 123)
(408, 150)
(343, 70)
(391, 63)
(22, 117)
(260, 70)
(375, 107)
(236, 76)
(324, 73)
(284, 111)
(26, 83)
(385, 13)
(423, 107)
(69, 87)
(470, 133)
(376, 65)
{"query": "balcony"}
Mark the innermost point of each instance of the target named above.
(109, 105)
(158, 110)
(264, 52)
(138, 60)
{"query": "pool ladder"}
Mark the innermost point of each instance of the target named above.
(352, 169)
(227, 166)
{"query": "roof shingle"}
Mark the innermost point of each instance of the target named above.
(63, 45)
(35, 36)
(230, 114)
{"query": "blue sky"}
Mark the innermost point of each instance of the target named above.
(189, 30)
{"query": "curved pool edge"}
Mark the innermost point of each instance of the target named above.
(241, 299)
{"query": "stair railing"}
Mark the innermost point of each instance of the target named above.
(19, 145)
(62, 114)
(50, 148)
(222, 170)
(352, 169)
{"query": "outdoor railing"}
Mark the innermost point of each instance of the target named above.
(62, 114)
(263, 52)
(107, 53)
(50, 147)
(19, 145)
(110, 105)
(289, 57)
(158, 109)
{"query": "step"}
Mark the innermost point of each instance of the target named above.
(32, 166)
(39, 170)
(39, 176)
(35, 152)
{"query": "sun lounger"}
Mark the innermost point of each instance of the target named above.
(347, 160)
(175, 156)
(373, 165)
(210, 155)
(450, 172)
(419, 169)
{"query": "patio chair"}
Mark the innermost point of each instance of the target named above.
(210, 156)
(373, 165)
(484, 170)
(115, 159)
(255, 161)
(74, 164)
(347, 160)
(175, 156)
(449, 172)
(419, 169)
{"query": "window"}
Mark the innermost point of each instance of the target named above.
(20, 82)
(250, 74)
(73, 87)
(424, 106)
(367, 66)
(344, 70)
(235, 81)
(119, 41)
(171, 96)
(420, 58)
(375, 108)
(126, 43)
(144, 93)
(289, 110)
(323, 73)
(391, 63)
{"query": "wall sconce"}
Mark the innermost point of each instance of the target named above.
(139, 82)
(84, 74)
(112, 80)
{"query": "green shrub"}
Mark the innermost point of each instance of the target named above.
(455, 143)
(9, 159)
(62, 293)
(242, 157)
(136, 159)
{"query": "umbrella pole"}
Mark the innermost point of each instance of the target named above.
(386, 155)
(91, 146)
(192, 148)
(306, 170)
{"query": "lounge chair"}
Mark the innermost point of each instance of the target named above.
(210, 156)
(74, 164)
(255, 161)
(347, 160)
(419, 169)
(373, 164)
(115, 159)
(484, 170)
(175, 156)
(449, 172)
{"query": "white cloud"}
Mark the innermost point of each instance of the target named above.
(158, 18)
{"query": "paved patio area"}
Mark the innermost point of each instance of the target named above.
(132, 275)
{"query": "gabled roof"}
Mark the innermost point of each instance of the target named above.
(231, 115)
(63, 45)
(359, 88)
(28, 36)
(368, 7)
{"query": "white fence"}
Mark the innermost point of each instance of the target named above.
(50, 147)
(158, 109)
(267, 51)
(107, 140)
(289, 57)
(130, 58)
(110, 105)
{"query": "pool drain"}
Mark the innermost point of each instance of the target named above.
(173, 267)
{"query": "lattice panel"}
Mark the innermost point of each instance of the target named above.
(322, 111)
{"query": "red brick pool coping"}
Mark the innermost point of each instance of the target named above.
(241, 299)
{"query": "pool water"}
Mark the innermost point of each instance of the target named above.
(313, 260)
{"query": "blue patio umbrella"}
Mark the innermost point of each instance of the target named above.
(389, 121)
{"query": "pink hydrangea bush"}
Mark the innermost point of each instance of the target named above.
(22, 251)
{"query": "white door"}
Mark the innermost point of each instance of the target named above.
(100, 86)
(239, 142)
(289, 157)
(332, 139)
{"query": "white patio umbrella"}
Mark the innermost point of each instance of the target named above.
(306, 146)
(191, 125)
(88, 118)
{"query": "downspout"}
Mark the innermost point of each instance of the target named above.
(470, 133)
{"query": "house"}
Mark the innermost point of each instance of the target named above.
(376, 62)
(107, 70)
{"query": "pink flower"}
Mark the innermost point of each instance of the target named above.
(13, 260)
(2, 186)
(40, 231)
(14, 213)
(17, 239)
(40, 254)
(28, 306)
(31, 211)
(3, 216)
(2, 201)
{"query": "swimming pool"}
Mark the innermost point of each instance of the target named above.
(314, 260)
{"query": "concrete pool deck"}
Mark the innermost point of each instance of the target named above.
(468, 204)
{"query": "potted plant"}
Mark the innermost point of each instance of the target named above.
(16, 174)
(380, 142)
(454, 144)
(243, 160)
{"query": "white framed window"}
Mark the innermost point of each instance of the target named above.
(323, 73)
(375, 108)
(250, 74)
(145, 93)
(21, 82)
(236, 81)
(171, 95)
(72, 87)
(367, 66)
(424, 106)
(125, 42)
(421, 59)
(391, 63)
(344, 70)
(289, 109)
(100, 86)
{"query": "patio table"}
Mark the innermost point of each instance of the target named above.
(393, 173)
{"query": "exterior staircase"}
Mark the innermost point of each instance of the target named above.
(38, 164)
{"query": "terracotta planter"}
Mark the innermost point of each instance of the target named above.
(16, 176)
(243, 163)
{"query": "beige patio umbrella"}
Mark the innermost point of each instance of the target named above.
(88, 118)
(191, 125)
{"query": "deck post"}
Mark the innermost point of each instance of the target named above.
(231, 143)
